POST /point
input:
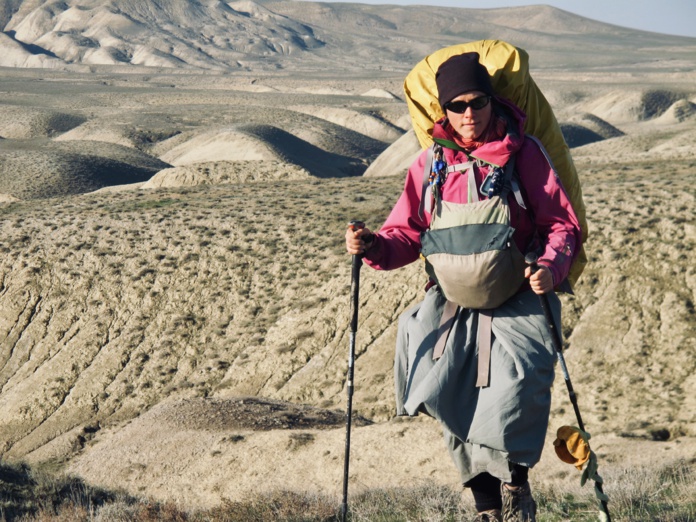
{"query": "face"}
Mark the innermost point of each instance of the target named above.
(471, 123)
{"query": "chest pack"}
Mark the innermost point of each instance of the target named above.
(468, 249)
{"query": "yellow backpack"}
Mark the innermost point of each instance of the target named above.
(509, 70)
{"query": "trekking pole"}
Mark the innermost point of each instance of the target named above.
(531, 260)
(355, 300)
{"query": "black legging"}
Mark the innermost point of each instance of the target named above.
(486, 488)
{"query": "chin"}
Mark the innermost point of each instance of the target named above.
(468, 135)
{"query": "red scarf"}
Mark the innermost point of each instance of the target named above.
(496, 129)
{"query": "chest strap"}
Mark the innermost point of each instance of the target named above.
(459, 167)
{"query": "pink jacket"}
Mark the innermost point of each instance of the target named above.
(552, 217)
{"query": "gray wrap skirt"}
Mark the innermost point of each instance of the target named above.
(485, 428)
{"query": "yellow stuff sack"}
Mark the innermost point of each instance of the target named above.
(508, 67)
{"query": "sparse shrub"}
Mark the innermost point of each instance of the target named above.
(655, 102)
(30, 494)
(427, 502)
(298, 440)
(304, 334)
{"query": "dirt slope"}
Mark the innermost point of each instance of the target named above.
(202, 293)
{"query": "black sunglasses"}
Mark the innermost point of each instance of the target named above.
(460, 107)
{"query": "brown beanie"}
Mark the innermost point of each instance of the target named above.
(459, 74)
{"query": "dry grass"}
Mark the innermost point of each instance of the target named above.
(665, 494)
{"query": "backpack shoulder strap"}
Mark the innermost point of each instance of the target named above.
(514, 178)
(426, 202)
(543, 150)
(509, 182)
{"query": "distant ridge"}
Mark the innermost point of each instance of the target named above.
(271, 35)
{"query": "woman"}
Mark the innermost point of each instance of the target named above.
(485, 374)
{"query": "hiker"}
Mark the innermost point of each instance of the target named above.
(484, 371)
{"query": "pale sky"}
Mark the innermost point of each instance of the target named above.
(660, 16)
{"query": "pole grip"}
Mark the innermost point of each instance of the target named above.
(356, 265)
(531, 260)
(355, 291)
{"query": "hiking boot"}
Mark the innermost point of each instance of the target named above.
(518, 504)
(492, 515)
